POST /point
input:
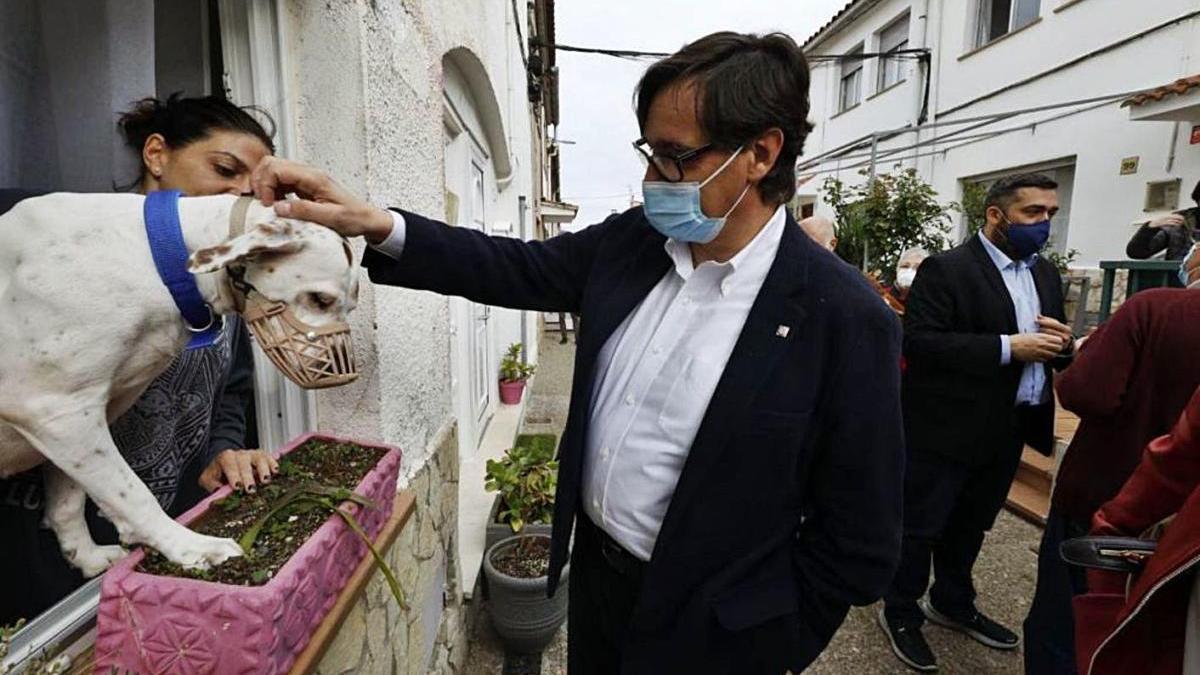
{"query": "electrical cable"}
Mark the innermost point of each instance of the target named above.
(888, 134)
(899, 54)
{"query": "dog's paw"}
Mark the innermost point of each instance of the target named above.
(202, 552)
(96, 559)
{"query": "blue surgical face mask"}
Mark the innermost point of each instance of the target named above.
(1027, 239)
(674, 208)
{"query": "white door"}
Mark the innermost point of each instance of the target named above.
(479, 343)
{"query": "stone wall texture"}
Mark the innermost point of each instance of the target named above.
(365, 81)
(379, 637)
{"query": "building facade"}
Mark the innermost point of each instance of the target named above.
(966, 91)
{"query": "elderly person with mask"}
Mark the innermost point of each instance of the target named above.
(821, 230)
(906, 272)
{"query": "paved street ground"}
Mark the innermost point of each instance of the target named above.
(1004, 575)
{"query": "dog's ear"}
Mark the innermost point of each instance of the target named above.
(275, 237)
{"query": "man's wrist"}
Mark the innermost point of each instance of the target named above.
(378, 226)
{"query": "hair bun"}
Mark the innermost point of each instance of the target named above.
(145, 117)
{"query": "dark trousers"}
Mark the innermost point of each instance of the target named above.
(947, 509)
(604, 588)
(1050, 626)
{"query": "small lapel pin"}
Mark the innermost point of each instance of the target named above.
(782, 331)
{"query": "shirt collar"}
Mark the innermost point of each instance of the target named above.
(756, 255)
(1001, 259)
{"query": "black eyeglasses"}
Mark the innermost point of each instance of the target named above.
(670, 167)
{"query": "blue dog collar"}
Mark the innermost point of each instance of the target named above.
(161, 213)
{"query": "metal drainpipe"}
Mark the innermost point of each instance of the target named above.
(921, 10)
(1171, 148)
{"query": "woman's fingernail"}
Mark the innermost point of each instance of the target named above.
(283, 208)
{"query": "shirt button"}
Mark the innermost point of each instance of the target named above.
(629, 399)
(596, 504)
(657, 350)
(604, 454)
(687, 300)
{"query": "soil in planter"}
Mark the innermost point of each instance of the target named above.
(527, 559)
(327, 463)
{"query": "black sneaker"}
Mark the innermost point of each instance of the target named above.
(909, 645)
(982, 629)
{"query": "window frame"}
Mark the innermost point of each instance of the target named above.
(983, 25)
(895, 65)
(854, 76)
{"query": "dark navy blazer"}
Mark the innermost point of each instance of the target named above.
(788, 509)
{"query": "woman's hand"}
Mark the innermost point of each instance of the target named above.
(239, 468)
(321, 200)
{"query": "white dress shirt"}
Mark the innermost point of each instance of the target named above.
(654, 379)
(1018, 279)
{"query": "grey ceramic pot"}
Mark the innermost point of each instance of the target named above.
(524, 618)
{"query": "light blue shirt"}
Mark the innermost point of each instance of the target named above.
(1018, 279)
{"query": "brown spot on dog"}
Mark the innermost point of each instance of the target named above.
(270, 270)
(221, 249)
(203, 256)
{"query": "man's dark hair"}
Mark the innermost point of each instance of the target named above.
(1004, 191)
(1196, 193)
(745, 85)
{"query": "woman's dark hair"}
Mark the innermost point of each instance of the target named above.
(745, 85)
(1196, 193)
(183, 121)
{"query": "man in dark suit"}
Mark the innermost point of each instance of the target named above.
(983, 326)
(722, 376)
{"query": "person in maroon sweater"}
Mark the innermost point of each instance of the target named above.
(1128, 384)
(1146, 623)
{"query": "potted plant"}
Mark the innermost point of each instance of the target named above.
(303, 534)
(513, 374)
(515, 567)
(532, 456)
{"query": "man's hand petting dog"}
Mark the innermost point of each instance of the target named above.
(243, 469)
(320, 200)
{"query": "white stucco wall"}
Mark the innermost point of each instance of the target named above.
(1105, 204)
(367, 82)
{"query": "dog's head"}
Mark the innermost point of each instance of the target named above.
(310, 268)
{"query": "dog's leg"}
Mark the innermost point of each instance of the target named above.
(64, 514)
(76, 439)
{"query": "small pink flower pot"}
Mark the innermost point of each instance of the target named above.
(510, 392)
(155, 624)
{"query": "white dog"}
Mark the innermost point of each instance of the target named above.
(86, 324)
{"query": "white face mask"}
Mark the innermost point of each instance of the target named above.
(905, 277)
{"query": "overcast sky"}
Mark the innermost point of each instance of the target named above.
(601, 170)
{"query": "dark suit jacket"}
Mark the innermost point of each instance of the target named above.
(959, 402)
(803, 421)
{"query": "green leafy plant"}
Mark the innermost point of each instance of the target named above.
(512, 368)
(1061, 260)
(526, 478)
(310, 496)
(877, 221)
(6, 635)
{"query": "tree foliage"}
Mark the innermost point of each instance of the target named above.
(877, 222)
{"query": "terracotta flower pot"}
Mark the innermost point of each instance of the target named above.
(511, 391)
(157, 624)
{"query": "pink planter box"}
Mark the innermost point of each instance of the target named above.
(155, 624)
